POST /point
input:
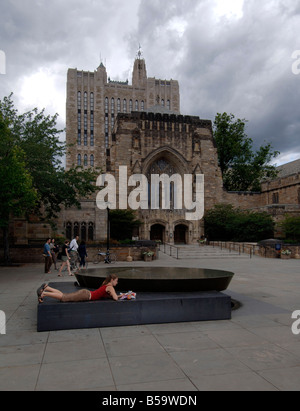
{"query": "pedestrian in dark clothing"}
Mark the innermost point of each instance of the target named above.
(82, 254)
(47, 255)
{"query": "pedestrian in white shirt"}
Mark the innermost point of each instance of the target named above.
(73, 251)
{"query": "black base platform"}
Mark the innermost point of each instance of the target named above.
(148, 308)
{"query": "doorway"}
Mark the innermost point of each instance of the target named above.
(180, 234)
(157, 232)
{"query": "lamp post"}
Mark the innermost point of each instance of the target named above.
(108, 230)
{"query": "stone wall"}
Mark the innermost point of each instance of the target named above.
(33, 253)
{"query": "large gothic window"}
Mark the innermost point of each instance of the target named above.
(162, 166)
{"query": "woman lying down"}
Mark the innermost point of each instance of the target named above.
(107, 290)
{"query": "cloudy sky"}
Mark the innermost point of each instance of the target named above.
(238, 56)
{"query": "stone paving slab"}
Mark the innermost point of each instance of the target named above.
(255, 350)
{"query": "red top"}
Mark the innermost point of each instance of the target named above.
(100, 293)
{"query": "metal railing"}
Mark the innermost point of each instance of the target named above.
(245, 248)
(240, 248)
(169, 249)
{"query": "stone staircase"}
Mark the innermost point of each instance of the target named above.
(199, 252)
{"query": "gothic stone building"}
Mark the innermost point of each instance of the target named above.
(112, 124)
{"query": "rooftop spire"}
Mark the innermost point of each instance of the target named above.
(139, 53)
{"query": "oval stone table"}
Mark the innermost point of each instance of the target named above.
(158, 279)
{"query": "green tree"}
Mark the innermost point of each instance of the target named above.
(17, 194)
(31, 163)
(242, 168)
(291, 228)
(219, 222)
(122, 224)
(226, 223)
(37, 135)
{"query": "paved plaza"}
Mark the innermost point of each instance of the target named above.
(255, 350)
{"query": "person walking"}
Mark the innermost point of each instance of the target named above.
(65, 258)
(54, 250)
(73, 252)
(47, 255)
(82, 254)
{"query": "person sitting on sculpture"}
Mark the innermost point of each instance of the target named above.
(107, 290)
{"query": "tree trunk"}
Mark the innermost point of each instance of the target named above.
(6, 245)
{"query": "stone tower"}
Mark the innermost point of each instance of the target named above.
(94, 101)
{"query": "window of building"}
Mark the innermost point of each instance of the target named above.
(106, 130)
(85, 160)
(91, 231)
(142, 105)
(79, 100)
(162, 166)
(83, 231)
(92, 119)
(85, 122)
(92, 160)
(136, 105)
(106, 104)
(124, 105)
(130, 106)
(168, 104)
(79, 159)
(76, 230)
(118, 105)
(69, 230)
(79, 127)
(85, 100)
(92, 129)
(92, 102)
(162, 102)
(275, 198)
(106, 125)
(112, 105)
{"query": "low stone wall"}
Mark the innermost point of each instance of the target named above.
(34, 254)
(270, 252)
(267, 251)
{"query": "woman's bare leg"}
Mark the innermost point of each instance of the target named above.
(52, 292)
(69, 267)
(61, 267)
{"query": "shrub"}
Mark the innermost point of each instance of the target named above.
(291, 228)
(225, 223)
(122, 224)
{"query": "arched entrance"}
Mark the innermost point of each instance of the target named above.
(180, 234)
(157, 232)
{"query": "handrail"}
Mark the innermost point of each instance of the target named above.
(171, 247)
(245, 248)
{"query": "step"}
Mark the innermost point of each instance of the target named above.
(196, 252)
